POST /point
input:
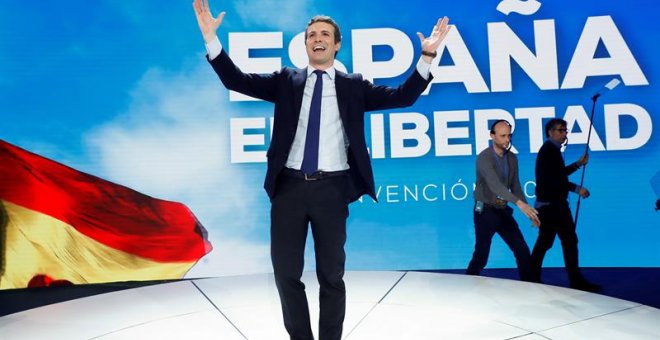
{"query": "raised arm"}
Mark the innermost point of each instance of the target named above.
(573, 167)
(262, 86)
(208, 25)
(430, 44)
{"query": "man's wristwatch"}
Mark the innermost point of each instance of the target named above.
(430, 54)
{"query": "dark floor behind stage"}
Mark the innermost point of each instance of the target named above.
(632, 284)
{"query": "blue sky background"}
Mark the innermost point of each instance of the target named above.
(122, 90)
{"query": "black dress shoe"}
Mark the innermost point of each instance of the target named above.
(586, 286)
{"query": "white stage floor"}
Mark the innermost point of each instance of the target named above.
(380, 306)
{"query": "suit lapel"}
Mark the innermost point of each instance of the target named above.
(511, 174)
(342, 88)
(299, 79)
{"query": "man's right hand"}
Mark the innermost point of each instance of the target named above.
(584, 192)
(208, 25)
(530, 212)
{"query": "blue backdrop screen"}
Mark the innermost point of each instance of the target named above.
(122, 90)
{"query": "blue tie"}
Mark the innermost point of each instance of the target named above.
(311, 156)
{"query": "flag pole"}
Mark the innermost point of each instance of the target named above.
(586, 152)
(608, 87)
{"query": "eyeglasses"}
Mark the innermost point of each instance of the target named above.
(562, 130)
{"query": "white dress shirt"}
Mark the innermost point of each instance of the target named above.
(333, 142)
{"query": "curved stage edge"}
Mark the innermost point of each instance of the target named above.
(380, 305)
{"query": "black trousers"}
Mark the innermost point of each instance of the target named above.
(323, 204)
(494, 220)
(556, 220)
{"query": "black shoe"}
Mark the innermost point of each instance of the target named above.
(586, 286)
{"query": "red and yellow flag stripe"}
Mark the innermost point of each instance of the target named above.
(73, 226)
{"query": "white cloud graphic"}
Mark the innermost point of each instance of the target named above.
(272, 13)
(527, 7)
(172, 143)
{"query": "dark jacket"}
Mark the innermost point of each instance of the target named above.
(355, 96)
(489, 185)
(552, 185)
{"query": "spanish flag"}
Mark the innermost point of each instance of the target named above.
(61, 225)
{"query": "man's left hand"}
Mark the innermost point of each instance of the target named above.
(430, 44)
(583, 160)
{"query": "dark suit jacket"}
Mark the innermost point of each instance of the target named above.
(489, 185)
(552, 184)
(355, 96)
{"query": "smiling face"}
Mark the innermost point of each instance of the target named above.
(321, 45)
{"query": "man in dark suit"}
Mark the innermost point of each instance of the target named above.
(552, 188)
(317, 159)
